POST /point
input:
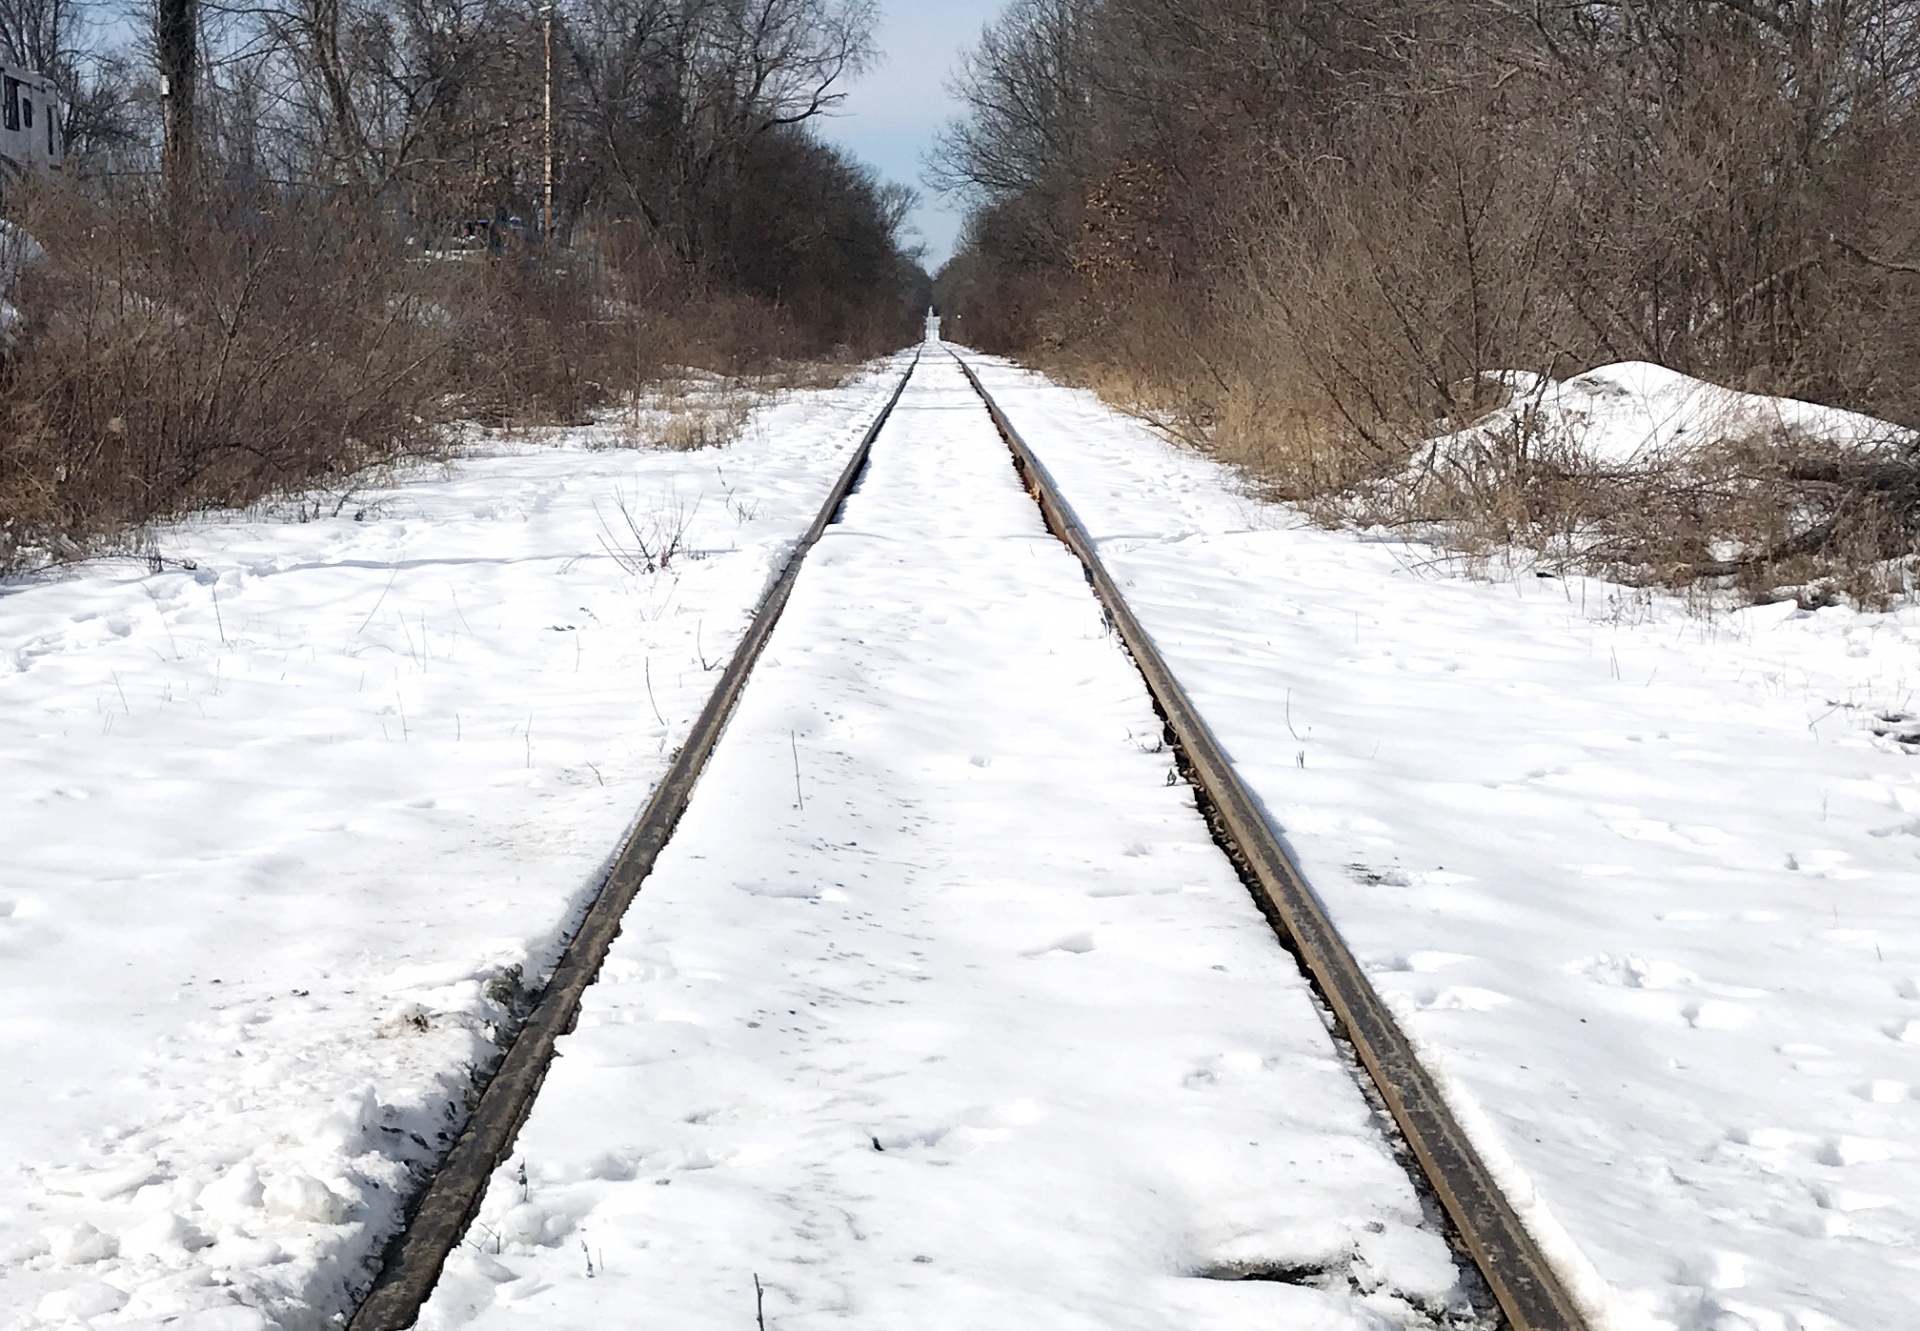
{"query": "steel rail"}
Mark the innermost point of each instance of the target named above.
(1530, 1292)
(416, 1256)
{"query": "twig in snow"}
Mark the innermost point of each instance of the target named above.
(800, 800)
(646, 667)
(378, 601)
(458, 611)
(759, 1303)
(163, 620)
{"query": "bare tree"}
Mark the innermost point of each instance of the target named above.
(176, 40)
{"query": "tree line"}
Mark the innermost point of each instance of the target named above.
(1367, 205)
(249, 277)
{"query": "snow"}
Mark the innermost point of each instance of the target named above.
(292, 821)
(942, 1009)
(1637, 413)
(941, 964)
(1640, 882)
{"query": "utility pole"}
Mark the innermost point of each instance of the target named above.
(546, 221)
(176, 34)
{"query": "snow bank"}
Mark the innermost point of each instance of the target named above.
(1636, 413)
(295, 817)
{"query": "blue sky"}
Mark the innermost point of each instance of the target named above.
(892, 112)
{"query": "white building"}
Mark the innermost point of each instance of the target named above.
(29, 123)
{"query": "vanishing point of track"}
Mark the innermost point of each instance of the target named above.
(1529, 1292)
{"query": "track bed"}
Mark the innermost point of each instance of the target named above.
(942, 1008)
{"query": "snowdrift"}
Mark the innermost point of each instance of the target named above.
(1636, 414)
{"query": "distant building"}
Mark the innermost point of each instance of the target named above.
(30, 142)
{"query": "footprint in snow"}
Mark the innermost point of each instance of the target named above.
(1074, 943)
(1426, 963)
(1220, 1068)
(1715, 1015)
(1418, 963)
(1829, 1198)
(1714, 1270)
(1379, 877)
(1823, 864)
(1839, 1152)
(1464, 998)
(1632, 972)
(1666, 834)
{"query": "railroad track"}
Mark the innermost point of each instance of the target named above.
(447, 1205)
(1486, 1228)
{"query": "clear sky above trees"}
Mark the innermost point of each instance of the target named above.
(892, 112)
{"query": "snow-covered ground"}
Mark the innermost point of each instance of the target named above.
(289, 823)
(942, 1010)
(1644, 884)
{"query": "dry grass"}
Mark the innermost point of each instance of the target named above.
(1762, 516)
(277, 342)
(1757, 514)
(160, 370)
(1294, 392)
(681, 412)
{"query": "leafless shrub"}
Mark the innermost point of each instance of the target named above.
(1762, 515)
(646, 544)
(682, 411)
(159, 369)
